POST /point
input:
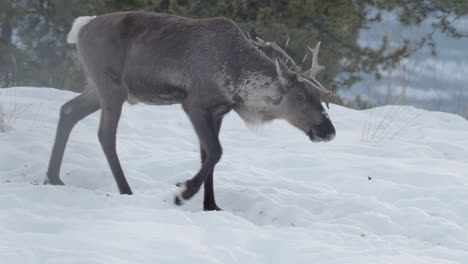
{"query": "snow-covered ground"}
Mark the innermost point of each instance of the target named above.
(391, 188)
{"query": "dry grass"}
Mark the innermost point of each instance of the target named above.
(9, 111)
(5, 124)
(385, 125)
(7, 117)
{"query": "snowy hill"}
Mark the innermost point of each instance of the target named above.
(391, 188)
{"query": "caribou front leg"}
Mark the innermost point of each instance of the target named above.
(204, 124)
(209, 203)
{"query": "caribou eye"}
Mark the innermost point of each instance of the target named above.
(300, 98)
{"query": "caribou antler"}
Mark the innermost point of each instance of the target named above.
(315, 68)
(309, 75)
(312, 72)
(260, 42)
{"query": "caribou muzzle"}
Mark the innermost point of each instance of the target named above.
(322, 133)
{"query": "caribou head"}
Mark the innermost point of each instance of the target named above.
(302, 94)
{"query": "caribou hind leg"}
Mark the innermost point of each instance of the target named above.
(70, 113)
(112, 97)
(204, 123)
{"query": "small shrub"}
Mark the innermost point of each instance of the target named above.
(6, 118)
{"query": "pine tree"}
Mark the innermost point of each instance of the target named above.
(33, 50)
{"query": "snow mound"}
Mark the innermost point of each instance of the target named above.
(391, 188)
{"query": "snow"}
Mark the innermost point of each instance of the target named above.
(391, 188)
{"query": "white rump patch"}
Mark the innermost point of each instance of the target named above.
(72, 37)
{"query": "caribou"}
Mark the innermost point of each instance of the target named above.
(208, 66)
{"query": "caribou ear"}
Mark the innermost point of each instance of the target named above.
(284, 75)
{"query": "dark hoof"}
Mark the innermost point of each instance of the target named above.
(127, 192)
(178, 201)
(212, 207)
(57, 181)
(187, 191)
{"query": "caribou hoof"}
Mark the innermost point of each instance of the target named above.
(178, 200)
(186, 193)
(126, 192)
(211, 207)
(57, 181)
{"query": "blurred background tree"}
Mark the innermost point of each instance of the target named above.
(33, 50)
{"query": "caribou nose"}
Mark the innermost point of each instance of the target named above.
(329, 137)
(326, 131)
